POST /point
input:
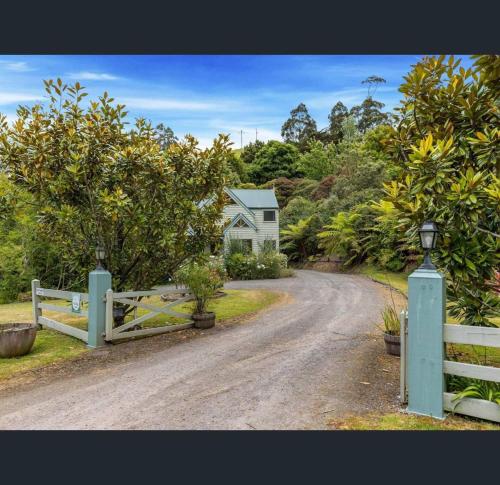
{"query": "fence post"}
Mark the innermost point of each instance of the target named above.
(109, 315)
(426, 316)
(35, 300)
(403, 332)
(99, 283)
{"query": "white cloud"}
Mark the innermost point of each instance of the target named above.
(17, 66)
(168, 104)
(92, 76)
(16, 98)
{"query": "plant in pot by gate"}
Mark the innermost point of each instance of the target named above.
(203, 280)
(391, 330)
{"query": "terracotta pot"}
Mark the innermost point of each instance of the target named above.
(16, 339)
(392, 344)
(204, 320)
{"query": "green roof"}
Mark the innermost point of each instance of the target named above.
(257, 198)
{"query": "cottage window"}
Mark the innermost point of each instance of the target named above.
(241, 223)
(269, 216)
(269, 245)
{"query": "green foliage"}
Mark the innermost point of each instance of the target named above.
(236, 246)
(368, 115)
(203, 280)
(284, 189)
(336, 117)
(324, 188)
(236, 170)
(297, 209)
(299, 240)
(265, 265)
(385, 243)
(165, 136)
(340, 237)
(25, 250)
(473, 388)
(91, 180)
(273, 160)
(300, 128)
(318, 161)
(390, 318)
(250, 151)
(446, 147)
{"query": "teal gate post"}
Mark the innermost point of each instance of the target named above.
(426, 317)
(99, 283)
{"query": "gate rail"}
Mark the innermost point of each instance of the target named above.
(131, 298)
(37, 292)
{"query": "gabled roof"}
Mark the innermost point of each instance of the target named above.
(250, 198)
(256, 198)
(237, 218)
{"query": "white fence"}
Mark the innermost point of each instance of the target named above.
(132, 328)
(459, 334)
(484, 336)
(37, 293)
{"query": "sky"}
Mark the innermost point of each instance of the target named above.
(204, 95)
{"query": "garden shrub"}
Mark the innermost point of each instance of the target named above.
(265, 265)
(203, 279)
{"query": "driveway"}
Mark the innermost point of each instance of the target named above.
(293, 367)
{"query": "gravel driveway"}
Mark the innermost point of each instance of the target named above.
(292, 367)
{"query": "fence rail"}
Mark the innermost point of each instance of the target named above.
(469, 335)
(477, 408)
(37, 292)
(131, 298)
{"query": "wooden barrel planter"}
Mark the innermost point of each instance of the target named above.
(16, 339)
(204, 320)
(392, 344)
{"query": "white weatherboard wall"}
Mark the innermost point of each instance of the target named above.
(265, 230)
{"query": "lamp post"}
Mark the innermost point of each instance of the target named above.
(100, 254)
(428, 238)
(426, 316)
(99, 283)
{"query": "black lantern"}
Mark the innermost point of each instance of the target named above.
(428, 238)
(100, 254)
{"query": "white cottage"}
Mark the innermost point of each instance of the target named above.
(252, 216)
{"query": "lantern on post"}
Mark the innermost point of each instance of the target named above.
(428, 238)
(100, 254)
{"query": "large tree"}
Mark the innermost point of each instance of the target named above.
(336, 117)
(275, 159)
(318, 161)
(92, 180)
(165, 136)
(250, 151)
(300, 128)
(447, 147)
(369, 114)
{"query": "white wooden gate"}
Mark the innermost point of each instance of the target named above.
(131, 298)
(37, 293)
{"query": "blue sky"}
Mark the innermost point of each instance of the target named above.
(207, 95)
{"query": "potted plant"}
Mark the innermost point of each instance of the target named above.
(203, 280)
(391, 330)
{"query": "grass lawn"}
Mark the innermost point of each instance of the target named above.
(396, 280)
(411, 422)
(51, 346)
